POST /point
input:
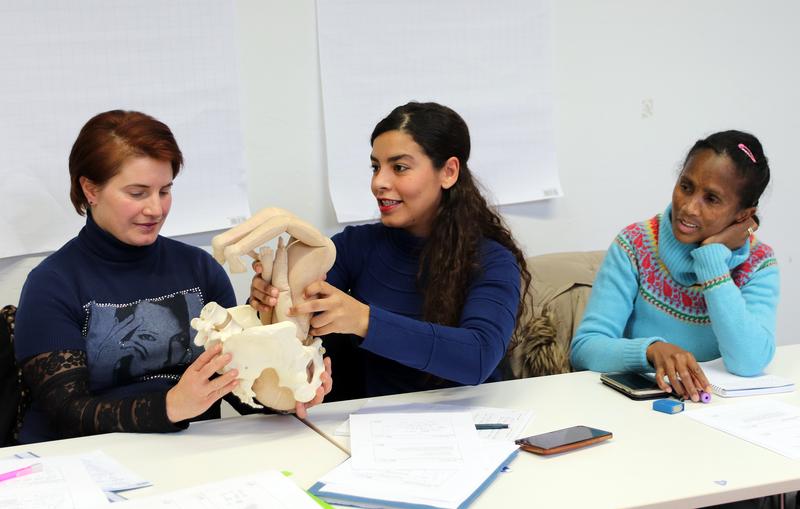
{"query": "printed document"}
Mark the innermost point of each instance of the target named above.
(770, 423)
(517, 420)
(413, 441)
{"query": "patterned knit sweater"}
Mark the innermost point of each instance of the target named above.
(708, 300)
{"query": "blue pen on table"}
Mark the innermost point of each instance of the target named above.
(491, 425)
(30, 469)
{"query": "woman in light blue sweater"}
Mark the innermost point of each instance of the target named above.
(691, 284)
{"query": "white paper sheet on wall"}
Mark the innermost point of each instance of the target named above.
(65, 62)
(489, 61)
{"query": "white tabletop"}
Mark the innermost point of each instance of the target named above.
(654, 459)
(208, 451)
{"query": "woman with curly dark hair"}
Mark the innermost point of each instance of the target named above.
(429, 296)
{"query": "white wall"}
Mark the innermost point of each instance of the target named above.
(703, 66)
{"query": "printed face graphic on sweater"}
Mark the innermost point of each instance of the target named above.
(128, 342)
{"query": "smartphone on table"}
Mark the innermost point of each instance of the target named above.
(634, 385)
(563, 440)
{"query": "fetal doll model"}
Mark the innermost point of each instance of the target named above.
(278, 362)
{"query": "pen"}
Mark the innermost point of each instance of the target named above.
(30, 469)
(491, 425)
(705, 397)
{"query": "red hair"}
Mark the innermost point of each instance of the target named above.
(111, 138)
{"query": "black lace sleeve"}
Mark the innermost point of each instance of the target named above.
(59, 383)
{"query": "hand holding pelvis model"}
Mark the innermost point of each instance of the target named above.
(278, 362)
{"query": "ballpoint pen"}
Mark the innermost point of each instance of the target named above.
(30, 469)
(491, 425)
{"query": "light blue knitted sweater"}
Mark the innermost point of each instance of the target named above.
(707, 300)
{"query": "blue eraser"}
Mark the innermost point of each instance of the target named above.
(668, 406)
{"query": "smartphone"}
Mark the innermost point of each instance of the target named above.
(563, 440)
(634, 385)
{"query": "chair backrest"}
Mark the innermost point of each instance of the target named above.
(560, 288)
(14, 396)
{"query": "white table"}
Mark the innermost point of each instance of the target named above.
(208, 451)
(654, 459)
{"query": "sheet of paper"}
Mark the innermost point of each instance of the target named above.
(772, 424)
(412, 441)
(427, 487)
(263, 490)
(63, 483)
(64, 63)
(109, 474)
(517, 420)
(492, 62)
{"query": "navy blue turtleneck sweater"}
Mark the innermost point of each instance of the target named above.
(378, 266)
(113, 319)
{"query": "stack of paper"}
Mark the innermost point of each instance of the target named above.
(729, 385)
(413, 460)
(58, 482)
(106, 474)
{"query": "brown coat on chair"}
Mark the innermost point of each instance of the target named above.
(560, 290)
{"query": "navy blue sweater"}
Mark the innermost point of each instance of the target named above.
(378, 266)
(128, 308)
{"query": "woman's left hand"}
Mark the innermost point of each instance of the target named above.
(322, 390)
(734, 236)
(336, 311)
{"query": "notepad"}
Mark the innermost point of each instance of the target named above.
(729, 385)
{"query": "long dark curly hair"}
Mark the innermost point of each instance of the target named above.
(451, 256)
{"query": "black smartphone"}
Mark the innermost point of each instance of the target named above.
(634, 385)
(563, 440)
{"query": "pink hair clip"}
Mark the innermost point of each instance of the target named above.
(746, 150)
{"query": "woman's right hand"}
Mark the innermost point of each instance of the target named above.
(195, 392)
(263, 296)
(327, 384)
(680, 367)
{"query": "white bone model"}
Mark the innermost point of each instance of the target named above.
(278, 362)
